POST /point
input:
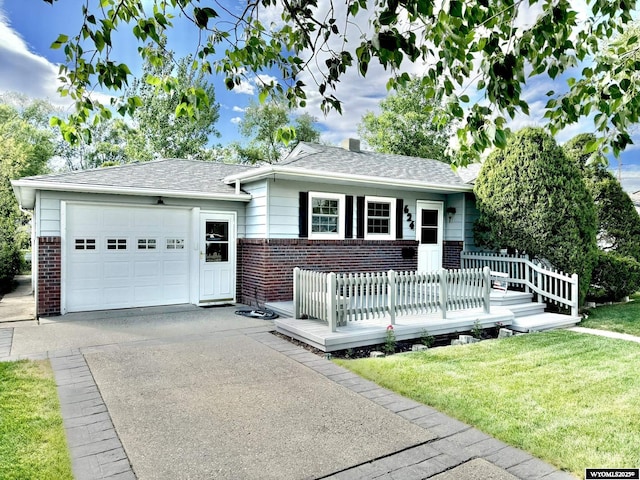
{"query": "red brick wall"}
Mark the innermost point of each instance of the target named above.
(49, 273)
(265, 267)
(451, 254)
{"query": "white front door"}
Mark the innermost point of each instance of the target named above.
(217, 257)
(429, 235)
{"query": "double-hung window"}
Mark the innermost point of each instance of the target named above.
(326, 212)
(380, 218)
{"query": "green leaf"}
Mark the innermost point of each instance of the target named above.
(61, 40)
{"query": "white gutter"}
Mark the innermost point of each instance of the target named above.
(112, 190)
(306, 173)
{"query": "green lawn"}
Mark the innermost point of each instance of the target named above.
(32, 438)
(622, 318)
(571, 399)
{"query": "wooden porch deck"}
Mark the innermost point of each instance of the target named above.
(373, 331)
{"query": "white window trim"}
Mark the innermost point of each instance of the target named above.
(339, 235)
(392, 219)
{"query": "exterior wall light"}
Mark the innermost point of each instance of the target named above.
(451, 211)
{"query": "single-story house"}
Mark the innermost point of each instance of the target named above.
(180, 231)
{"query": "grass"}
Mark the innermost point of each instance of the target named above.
(32, 438)
(621, 318)
(568, 398)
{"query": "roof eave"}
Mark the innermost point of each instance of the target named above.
(25, 192)
(305, 174)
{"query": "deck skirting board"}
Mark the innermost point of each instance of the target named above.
(373, 331)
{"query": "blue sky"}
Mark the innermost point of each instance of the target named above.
(29, 66)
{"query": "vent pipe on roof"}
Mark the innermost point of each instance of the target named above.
(351, 144)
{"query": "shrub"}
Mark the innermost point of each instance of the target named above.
(614, 277)
(532, 198)
(10, 266)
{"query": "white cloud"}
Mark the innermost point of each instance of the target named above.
(263, 79)
(238, 109)
(246, 86)
(23, 71)
(236, 120)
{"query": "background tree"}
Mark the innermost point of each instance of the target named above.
(168, 133)
(26, 148)
(617, 270)
(532, 198)
(477, 54)
(261, 124)
(408, 124)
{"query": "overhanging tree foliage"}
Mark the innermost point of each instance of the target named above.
(475, 55)
(532, 198)
(168, 133)
(408, 124)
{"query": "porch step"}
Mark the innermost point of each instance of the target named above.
(284, 309)
(543, 321)
(526, 309)
(510, 298)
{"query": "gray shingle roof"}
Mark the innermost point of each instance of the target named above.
(167, 174)
(330, 159)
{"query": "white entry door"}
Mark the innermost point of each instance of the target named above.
(429, 235)
(217, 258)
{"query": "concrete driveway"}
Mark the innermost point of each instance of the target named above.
(192, 393)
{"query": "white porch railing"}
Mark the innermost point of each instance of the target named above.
(342, 298)
(550, 286)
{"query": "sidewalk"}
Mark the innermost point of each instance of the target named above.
(19, 305)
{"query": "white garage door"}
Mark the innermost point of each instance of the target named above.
(122, 257)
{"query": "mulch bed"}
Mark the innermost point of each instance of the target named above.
(401, 346)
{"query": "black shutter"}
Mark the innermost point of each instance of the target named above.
(303, 215)
(348, 221)
(360, 217)
(399, 217)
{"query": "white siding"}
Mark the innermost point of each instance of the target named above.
(49, 208)
(284, 204)
(471, 215)
(454, 229)
(256, 210)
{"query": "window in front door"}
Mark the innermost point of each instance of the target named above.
(217, 241)
(429, 227)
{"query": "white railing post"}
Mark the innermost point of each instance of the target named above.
(486, 271)
(574, 295)
(392, 297)
(296, 292)
(442, 276)
(332, 301)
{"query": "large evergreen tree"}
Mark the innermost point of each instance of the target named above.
(532, 198)
(617, 270)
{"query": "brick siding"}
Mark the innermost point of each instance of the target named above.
(265, 267)
(49, 275)
(451, 254)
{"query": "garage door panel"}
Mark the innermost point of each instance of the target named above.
(86, 271)
(116, 270)
(116, 297)
(147, 264)
(86, 299)
(147, 269)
